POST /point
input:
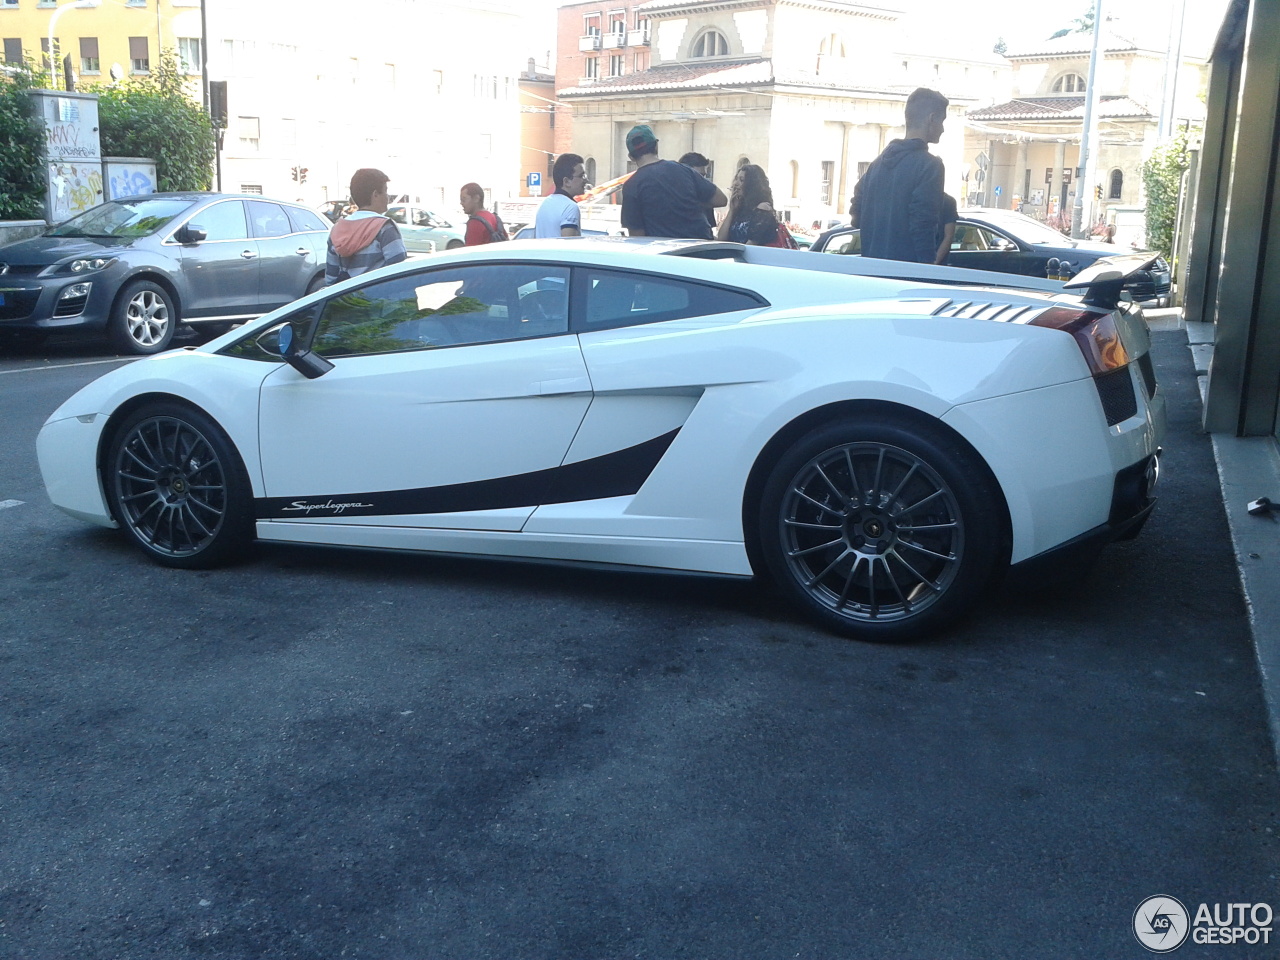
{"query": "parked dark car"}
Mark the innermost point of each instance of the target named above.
(137, 267)
(1007, 242)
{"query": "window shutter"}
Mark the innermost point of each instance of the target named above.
(89, 48)
(138, 48)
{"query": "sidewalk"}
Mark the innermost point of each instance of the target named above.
(1248, 468)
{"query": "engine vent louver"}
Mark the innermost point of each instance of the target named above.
(1115, 390)
(986, 310)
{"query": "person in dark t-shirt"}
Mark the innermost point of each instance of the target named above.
(663, 198)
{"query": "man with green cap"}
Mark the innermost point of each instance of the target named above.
(663, 198)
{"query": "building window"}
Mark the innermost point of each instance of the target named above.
(44, 49)
(642, 60)
(139, 55)
(190, 56)
(1117, 185)
(828, 175)
(710, 44)
(591, 25)
(288, 132)
(1071, 83)
(590, 169)
(250, 132)
(13, 50)
(484, 145)
(251, 187)
(47, 3)
(615, 65)
(591, 68)
(8, 3)
(795, 178)
(135, 3)
(618, 22)
(89, 62)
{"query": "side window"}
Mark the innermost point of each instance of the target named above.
(222, 221)
(396, 214)
(846, 243)
(268, 219)
(446, 308)
(303, 221)
(972, 237)
(616, 299)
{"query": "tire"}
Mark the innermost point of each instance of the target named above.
(453, 245)
(178, 487)
(883, 530)
(143, 319)
(316, 283)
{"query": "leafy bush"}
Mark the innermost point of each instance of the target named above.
(1162, 181)
(22, 139)
(152, 117)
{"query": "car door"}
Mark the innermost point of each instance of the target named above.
(220, 271)
(417, 238)
(286, 260)
(980, 247)
(453, 399)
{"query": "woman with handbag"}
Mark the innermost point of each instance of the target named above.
(751, 217)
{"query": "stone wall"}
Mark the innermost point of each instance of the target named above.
(11, 230)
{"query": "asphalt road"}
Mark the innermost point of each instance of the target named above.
(323, 754)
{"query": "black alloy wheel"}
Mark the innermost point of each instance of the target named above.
(885, 530)
(179, 488)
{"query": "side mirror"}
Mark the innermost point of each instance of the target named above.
(191, 233)
(310, 365)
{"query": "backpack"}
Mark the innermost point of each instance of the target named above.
(496, 230)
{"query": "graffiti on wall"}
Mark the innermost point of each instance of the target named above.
(129, 179)
(73, 188)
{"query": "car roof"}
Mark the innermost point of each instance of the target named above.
(195, 196)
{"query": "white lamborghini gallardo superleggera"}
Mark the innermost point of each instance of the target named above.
(880, 439)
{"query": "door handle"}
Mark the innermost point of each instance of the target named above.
(248, 255)
(303, 252)
(554, 388)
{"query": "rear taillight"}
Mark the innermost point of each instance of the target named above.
(1095, 333)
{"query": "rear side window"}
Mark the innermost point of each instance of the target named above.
(621, 299)
(306, 220)
(268, 219)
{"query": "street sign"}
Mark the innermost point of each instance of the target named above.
(997, 191)
(533, 180)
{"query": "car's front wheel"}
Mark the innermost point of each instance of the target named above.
(144, 318)
(178, 487)
(453, 245)
(885, 530)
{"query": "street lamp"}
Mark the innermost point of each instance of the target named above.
(54, 63)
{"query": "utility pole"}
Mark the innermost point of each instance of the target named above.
(1084, 178)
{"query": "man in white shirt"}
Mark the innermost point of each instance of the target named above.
(558, 215)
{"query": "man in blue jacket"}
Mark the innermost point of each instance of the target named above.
(897, 205)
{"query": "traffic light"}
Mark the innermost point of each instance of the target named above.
(302, 177)
(1097, 191)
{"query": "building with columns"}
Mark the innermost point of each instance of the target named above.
(1029, 146)
(811, 90)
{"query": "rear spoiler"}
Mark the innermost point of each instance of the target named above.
(1103, 279)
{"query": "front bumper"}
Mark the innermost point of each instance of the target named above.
(50, 303)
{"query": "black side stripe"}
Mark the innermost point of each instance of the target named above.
(617, 474)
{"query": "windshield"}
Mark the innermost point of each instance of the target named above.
(1028, 230)
(126, 219)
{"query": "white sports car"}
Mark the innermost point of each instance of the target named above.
(880, 439)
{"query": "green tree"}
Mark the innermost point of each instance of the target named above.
(152, 117)
(21, 148)
(1162, 182)
(1001, 47)
(1083, 24)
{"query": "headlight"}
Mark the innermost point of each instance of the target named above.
(90, 264)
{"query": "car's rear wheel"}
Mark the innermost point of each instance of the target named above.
(178, 487)
(143, 319)
(453, 245)
(885, 530)
(316, 283)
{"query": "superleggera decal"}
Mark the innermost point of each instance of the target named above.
(616, 474)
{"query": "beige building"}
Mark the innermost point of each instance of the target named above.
(1029, 146)
(537, 128)
(811, 90)
(394, 84)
